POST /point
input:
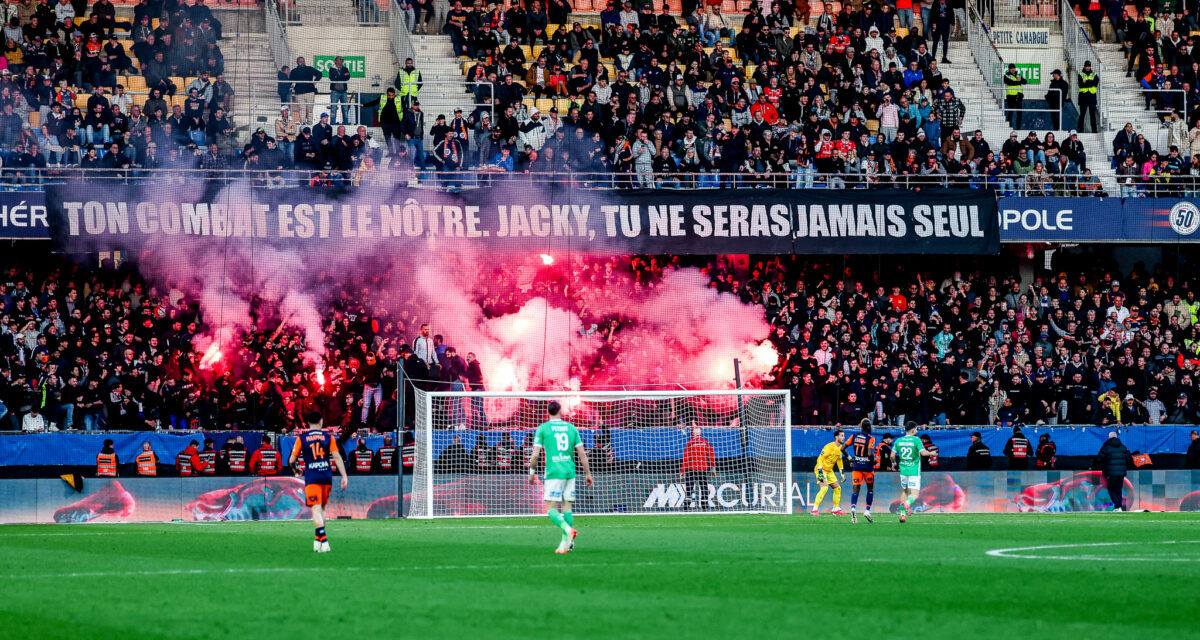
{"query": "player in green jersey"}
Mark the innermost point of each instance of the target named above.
(560, 440)
(908, 451)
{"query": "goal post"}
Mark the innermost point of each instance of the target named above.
(472, 450)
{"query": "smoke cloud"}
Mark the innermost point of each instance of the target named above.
(541, 319)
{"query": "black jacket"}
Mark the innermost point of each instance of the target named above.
(979, 457)
(1193, 455)
(1114, 459)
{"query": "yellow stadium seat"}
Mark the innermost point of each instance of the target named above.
(135, 83)
(537, 51)
(177, 100)
(529, 103)
(81, 100)
(873, 126)
(544, 104)
(902, 32)
(528, 51)
(180, 82)
(750, 69)
(35, 119)
(564, 105)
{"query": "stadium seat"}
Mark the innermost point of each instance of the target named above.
(564, 105)
(544, 104)
(35, 119)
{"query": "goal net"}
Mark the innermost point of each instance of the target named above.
(650, 452)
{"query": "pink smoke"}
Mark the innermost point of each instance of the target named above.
(532, 320)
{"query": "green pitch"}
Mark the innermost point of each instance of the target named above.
(629, 577)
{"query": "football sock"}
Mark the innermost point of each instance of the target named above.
(570, 518)
(910, 500)
(870, 498)
(820, 497)
(557, 518)
(837, 497)
(320, 537)
(854, 499)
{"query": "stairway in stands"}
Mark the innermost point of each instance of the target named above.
(250, 70)
(1124, 100)
(445, 84)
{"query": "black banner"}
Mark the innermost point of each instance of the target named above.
(512, 216)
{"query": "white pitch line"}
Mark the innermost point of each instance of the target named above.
(93, 533)
(461, 567)
(1013, 552)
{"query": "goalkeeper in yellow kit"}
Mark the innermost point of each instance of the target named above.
(831, 455)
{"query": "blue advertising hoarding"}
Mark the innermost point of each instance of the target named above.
(23, 216)
(1099, 220)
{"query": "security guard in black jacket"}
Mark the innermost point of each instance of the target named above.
(1114, 461)
(979, 456)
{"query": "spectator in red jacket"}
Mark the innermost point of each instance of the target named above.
(698, 462)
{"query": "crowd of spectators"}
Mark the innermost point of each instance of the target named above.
(981, 346)
(100, 348)
(51, 64)
(854, 98)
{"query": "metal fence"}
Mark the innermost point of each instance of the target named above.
(1133, 105)
(1078, 48)
(432, 178)
(987, 56)
(273, 17)
(1038, 13)
(400, 32)
(1018, 121)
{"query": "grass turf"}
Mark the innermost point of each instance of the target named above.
(653, 577)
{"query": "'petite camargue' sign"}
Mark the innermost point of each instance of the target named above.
(1021, 37)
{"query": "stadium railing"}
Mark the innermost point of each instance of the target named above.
(983, 49)
(1078, 48)
(275, 17)
(402, 44)
(1038, 13)
(1004, 184)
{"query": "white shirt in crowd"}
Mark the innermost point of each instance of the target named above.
(34, 423)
